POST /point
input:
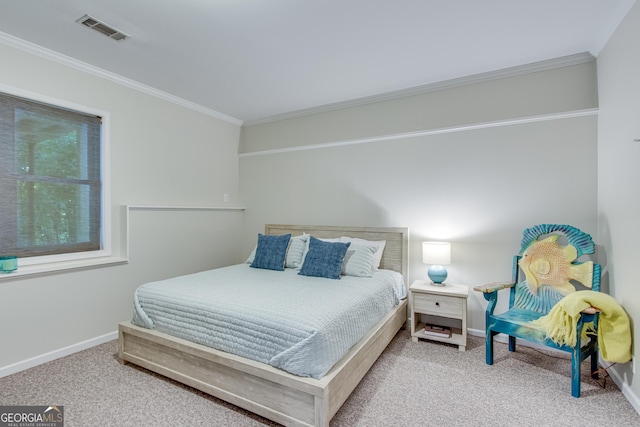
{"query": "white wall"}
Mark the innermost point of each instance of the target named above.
(161, 154)
(478, 188)
(619, 174)
(515, 95)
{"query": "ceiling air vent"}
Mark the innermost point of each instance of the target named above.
(101, 27)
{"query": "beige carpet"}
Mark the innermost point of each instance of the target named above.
(411, 384)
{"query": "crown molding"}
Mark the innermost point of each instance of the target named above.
(51, 55)
(550, 64)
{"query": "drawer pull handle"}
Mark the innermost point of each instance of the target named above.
(437, 303)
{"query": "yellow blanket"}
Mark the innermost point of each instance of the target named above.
(614, 331)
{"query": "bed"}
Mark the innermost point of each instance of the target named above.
(266, 390)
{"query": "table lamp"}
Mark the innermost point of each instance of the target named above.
(437, 254)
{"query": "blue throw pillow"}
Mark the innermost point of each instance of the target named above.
(271, 252)
(324, 259)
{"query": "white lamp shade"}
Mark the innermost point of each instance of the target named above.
(436, 253)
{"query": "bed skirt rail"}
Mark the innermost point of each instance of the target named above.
(262, 389)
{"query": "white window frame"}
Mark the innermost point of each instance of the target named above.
(75, 260)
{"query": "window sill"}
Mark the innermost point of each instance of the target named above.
(101, 260)
(54, 267)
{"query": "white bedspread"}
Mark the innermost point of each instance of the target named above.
(300, 324)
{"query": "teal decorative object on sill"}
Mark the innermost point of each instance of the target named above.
(8, 263)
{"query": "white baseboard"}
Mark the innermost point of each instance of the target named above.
(625, 389)
(622, 384)
(56, 354)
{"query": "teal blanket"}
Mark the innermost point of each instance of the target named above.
(300, 324)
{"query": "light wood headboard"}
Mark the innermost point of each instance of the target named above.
(396, 251)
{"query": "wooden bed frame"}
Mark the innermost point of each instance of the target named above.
(262, 389)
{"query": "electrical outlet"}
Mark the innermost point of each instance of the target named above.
(226, 197)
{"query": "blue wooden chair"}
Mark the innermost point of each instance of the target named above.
(551, 260)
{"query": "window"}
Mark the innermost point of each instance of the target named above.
(50, 179)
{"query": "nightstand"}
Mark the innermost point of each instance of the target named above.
(444, 306)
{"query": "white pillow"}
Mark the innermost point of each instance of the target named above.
(359, 260)
(252, 255)
(378, 244)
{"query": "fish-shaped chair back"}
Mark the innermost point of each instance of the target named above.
(554, 260)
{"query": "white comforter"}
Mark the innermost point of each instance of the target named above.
(300, 324)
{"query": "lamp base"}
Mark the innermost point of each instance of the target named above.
(437, 274)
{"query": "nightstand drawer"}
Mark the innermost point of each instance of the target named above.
(439, 305)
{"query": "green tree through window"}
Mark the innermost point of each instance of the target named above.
(50, 179)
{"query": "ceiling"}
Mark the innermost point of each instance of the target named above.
(256, 59)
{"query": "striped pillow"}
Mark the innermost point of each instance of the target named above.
(359, 260)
